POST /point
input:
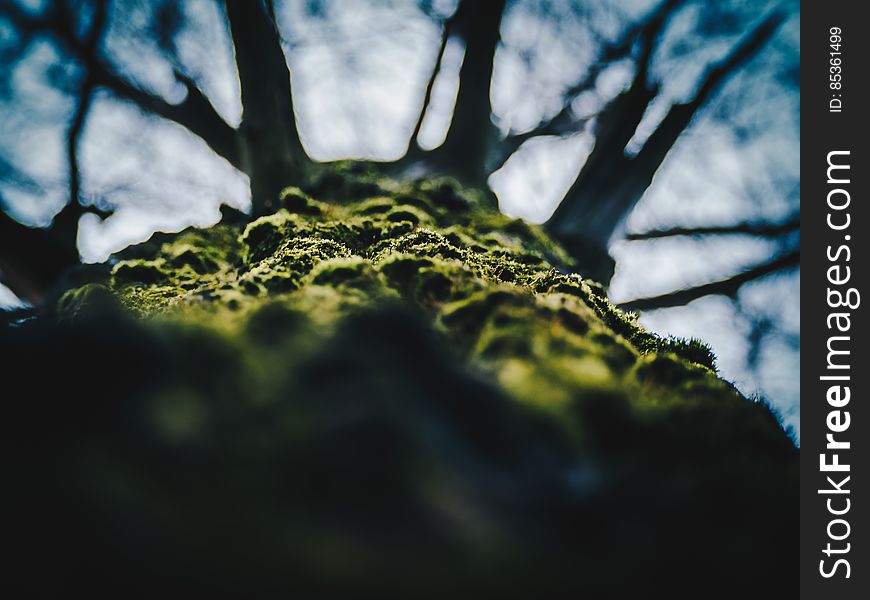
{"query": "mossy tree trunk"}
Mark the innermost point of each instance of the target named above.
(394, 390)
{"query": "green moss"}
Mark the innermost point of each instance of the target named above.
(668, 370)
(380, 205)
(262, 237)
(296, 201)
(483, 278)
(411, 214)
(196, 259)
(90, 299)
(140, 271)
(340, 271)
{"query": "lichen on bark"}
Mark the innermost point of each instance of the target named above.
(391, 386)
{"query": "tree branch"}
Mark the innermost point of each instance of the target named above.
(565, 121)
(430, 85)
(767, 230)
(195, 112)
(66, 222)
(726, 287)
(679, 116)
(611, 182)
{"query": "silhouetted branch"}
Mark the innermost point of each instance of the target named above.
(75, 131)
(679, 116)
(66, 222)
(565, 121)
(32, 259)
(726, 287)
(610, 182)
(740, 54)
(607, 185)
(194, 113)
(767, 230)
(430, 85)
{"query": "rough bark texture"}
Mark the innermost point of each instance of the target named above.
(384, 389)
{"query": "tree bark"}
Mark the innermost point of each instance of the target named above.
(598, 199)
(610, 183)
(270, 149)
(472, 133)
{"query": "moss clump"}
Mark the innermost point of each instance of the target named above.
(139, 271)
(295, 200)
(388, 386)
(81, 303)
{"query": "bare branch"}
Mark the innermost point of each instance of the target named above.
(195, 112)
(75, 131)
(767, 230)
(90, 44)
(727, 287)
(740, 54)
(430, 85)
(611, 182)
(680, 115)
(565, 121)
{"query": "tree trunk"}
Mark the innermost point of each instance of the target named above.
(472, 133)
(607, 186)
(271, 153)
(354, 401)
